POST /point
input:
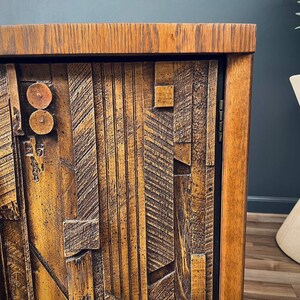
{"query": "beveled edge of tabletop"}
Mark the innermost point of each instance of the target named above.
(126, 38)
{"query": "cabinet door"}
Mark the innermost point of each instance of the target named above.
(107, 180)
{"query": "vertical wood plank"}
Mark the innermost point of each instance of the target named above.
(101, 132)
(198, 278)
(121, 178)
(234, 177)
(210, 174)
(211, 112)
(159, 153)
(3, 276)
(112, 178)
(65, 139)
(182, 206)
(148, 87)
(119, 120)
(14, 241)
(183, 82)
(14, 259)
(84, 139)
(131, 175)
(198, 205)
(8, 195)
(140, 176)
(15, 109)
(209, 228)
(41, 177)
(81, 93)
(24, 218)
(80, 278)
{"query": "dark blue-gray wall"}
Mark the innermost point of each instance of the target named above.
(274, 169)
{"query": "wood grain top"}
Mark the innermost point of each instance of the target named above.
(125, 38)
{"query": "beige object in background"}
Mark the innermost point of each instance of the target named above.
(295, 82)
(288, 235)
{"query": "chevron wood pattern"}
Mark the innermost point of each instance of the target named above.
(159, 154)
(8, 194)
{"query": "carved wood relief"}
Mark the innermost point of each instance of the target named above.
(109, 180)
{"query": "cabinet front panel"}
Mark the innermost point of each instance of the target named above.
(109, 180)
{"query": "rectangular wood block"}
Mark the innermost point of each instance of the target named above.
(80, 277)
(183, 153)
(80, 235)
(164, 96)
(198, 281)
(164, 73)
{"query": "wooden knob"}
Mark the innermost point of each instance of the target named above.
(41, 122)
(39, 95)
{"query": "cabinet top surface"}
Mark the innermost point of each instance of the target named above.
(126, 38)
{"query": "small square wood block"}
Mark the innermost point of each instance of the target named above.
(164, 96)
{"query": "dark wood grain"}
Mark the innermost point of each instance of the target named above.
(15, 109)
(159, 153)
(126, 38)
(183, 82)
(125, 180)
(210, 173)
(198, 205)
(84, 139)
(14, 260)
(182, 206)
(8, 195)
(23, 223)
(162, 289)
(80, 235)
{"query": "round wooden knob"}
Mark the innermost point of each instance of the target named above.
(39, 95)
(41, 122)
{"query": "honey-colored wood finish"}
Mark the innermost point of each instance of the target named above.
(41, 122)
(126, 39)
(39, 95)
(234, 177)
(123, 185)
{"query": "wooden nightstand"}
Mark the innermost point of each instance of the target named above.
(123, 160)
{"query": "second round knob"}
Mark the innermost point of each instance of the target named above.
(41, 122)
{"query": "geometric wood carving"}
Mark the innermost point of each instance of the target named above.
(164, 96)
(8, 194)
(84, 139)
(159, 154)
(183, 102)
(119, 131)
(162, 289)
(134, 174)
(80, 235)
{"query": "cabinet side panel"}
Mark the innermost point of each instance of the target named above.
(234, 177)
